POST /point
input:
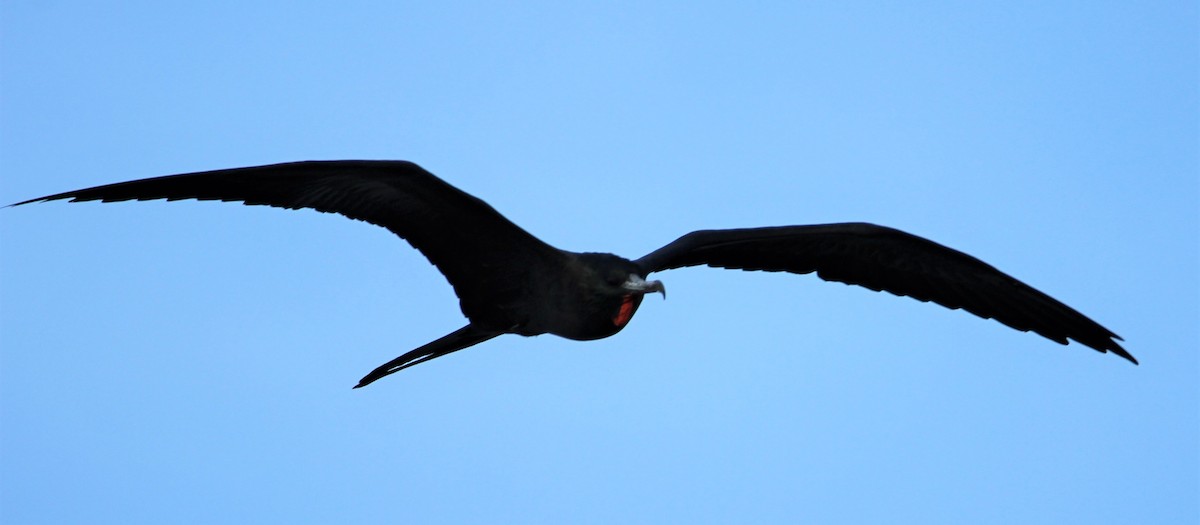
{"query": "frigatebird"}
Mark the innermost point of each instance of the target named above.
(509, 282)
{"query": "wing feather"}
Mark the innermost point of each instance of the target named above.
(489, 260)
(886, 259)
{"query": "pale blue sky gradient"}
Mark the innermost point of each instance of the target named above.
(192, 362)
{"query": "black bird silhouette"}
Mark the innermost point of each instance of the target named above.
(509, 282)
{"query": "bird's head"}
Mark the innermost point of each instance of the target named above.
(616, 290)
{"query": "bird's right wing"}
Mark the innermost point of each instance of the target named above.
(885, 259)
(488, 259)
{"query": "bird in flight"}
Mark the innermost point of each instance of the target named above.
(509, 282)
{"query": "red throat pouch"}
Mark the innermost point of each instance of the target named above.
(625, 313)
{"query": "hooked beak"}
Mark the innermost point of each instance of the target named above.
(636, 284)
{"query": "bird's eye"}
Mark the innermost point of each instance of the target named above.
(615, 279)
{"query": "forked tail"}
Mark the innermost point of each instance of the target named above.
(457, 340)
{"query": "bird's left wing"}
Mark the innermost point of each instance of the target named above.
(488, 259)
(886, 259)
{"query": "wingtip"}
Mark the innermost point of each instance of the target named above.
(30, 201)
(1131, 359)
(1116, 349)
(47, 198)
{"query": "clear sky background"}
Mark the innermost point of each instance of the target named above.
(192, 362)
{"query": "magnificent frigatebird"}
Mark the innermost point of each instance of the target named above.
(509, 282)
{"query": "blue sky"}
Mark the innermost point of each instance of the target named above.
(192, 362)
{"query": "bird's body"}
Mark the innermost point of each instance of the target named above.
(508, 281)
